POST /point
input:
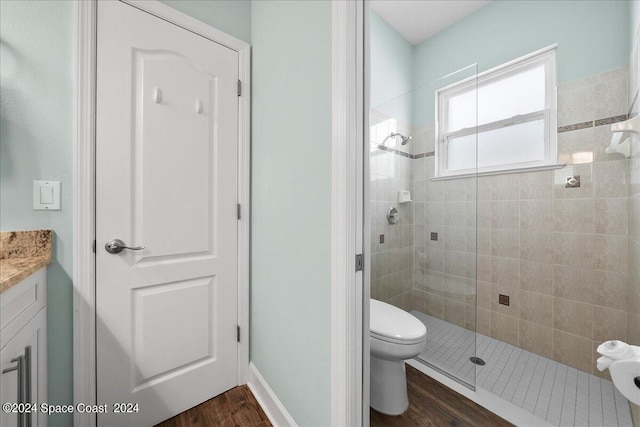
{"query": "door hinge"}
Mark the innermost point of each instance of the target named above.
(359, 262)
(238, 333)
(239, 211)
(239, 88)
(93, 246)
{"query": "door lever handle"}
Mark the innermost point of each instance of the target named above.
(116, 246)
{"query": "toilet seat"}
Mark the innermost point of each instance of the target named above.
(391, 324)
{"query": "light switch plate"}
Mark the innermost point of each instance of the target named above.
(46, 195)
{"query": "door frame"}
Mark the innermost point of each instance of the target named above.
(349, 287)
(84, 124)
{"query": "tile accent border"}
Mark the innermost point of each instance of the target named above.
(407, 155)
(561, 129)
(592, 123)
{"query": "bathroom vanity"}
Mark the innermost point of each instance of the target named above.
(23, 331)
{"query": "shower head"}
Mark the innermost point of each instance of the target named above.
(404, 140)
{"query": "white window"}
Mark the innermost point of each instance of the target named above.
(502, 120)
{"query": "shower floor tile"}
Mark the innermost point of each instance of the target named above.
(560, 395)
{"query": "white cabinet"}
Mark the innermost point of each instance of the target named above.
(23, 349)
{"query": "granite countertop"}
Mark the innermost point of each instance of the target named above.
(22, 253)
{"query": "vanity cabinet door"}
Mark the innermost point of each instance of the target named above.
(28, 348)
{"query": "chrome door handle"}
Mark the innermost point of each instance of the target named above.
(116, 246)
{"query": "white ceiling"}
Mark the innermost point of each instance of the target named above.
(417, 20)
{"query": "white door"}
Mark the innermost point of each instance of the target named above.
(166, 179)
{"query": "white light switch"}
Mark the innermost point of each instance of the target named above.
(46, 195)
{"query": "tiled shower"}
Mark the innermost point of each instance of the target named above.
(559, 254)
(566, 258)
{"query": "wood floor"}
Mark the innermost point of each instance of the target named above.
(432, 404)
(235, 408)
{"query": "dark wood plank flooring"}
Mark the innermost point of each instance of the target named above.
(235, 408)
(432, 404)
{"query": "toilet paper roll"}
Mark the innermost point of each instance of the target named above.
(615, 350)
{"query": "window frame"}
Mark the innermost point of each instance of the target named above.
(546, 57)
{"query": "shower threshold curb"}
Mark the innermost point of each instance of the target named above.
(484, 398)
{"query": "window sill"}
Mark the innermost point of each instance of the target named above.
(501, 171)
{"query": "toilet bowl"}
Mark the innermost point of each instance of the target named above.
(395, 336)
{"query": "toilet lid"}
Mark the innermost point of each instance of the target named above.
(390, 323)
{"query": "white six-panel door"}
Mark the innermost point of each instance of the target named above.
(166, 180)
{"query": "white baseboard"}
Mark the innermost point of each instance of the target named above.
(271, 405)
(484, 398)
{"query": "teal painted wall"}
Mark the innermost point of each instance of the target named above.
(391, 70)
(592, 37)
(231, 16)
(35, 144)
(291, 204)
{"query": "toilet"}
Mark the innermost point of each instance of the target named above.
(395, 336)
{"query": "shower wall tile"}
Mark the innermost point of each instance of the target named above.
(536, 308)
(434, 305)
(505, 271)
(455, 238)
(611, 254)
(535, 338)
(573, 283)
(610, 179)
(573, 216)
(611, 93)
(576, 147)
(484, 188)
(483, 246)
(504, 328)
(483, 321)
(574, 250)
(610, 289)
(470, 313)
(504, 187)
(535, 185)
(505, 214)
(609, 324)
(434, 213)
(536, 277)
(536, 215)
(573, 317)
(576, 105)
(534, 246)
(484, 214)
(611, 216)
(572, 350)
(454, 311)
(484, 294)
(505, 243)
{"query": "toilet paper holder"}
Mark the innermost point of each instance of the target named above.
(623, 362)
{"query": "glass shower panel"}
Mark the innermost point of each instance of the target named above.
(426, 262)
